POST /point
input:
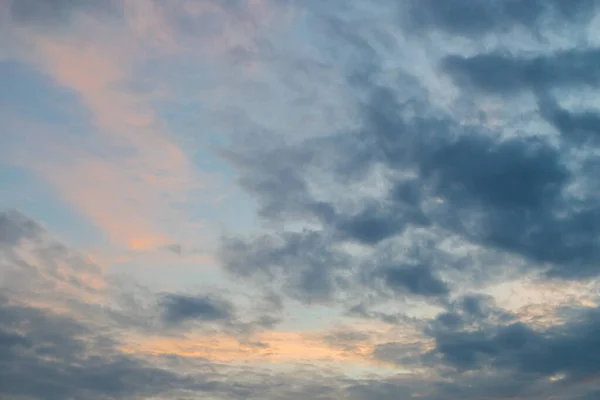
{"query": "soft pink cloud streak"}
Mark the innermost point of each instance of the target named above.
(130, 179)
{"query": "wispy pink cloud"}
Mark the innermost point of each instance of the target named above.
(117, 193)
(129, 179)
(130, 183)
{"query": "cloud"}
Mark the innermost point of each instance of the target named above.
(58, 342)
(179, 308)
(415, 280)
(54, 357)
(493, 200)
(508, 74)
(580, 128)
(507, 194)
(130, 172)
(424, 176)
(175, 248)
(482, 347)
(301, 261)
(14, 227)
(558, 351)
(37, 268)
(157, 165)
(472, 18)
(50, 356)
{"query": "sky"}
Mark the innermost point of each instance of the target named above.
(299, 199)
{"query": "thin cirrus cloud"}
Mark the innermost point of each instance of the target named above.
(396, 200)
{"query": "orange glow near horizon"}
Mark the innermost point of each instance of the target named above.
(272, 348)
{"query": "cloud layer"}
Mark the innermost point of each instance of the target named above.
(288, 200)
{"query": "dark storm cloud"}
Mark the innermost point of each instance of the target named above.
(180, 308)
(472, 18)
(507, 74)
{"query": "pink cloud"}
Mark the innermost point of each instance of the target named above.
(129, 182)
(129, 179)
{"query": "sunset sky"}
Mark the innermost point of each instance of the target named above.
(299, 199)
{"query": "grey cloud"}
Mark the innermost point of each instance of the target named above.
(371, 225)
(54, 357)
(362, 311)
(441, 175)
(582, 128)
(15, 227)
(477, 335)
(480, 348)
(177, 313)
(505, 194)
(283, 176)
(179, 308)
(379, 221)
(391, 389)
(77, 354)
(513, 191)
(55, 13)
(49, 264)
(345, 337)
(563, 349)
(515, 175)
(470, 312)
(477, 305)
(175, 248)
(417, 280)
(303, 262)
(590, 395)
(308, 267)
(472, 18)
(507, 74)
(44, 356)
(278, 180)
(469, 315)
